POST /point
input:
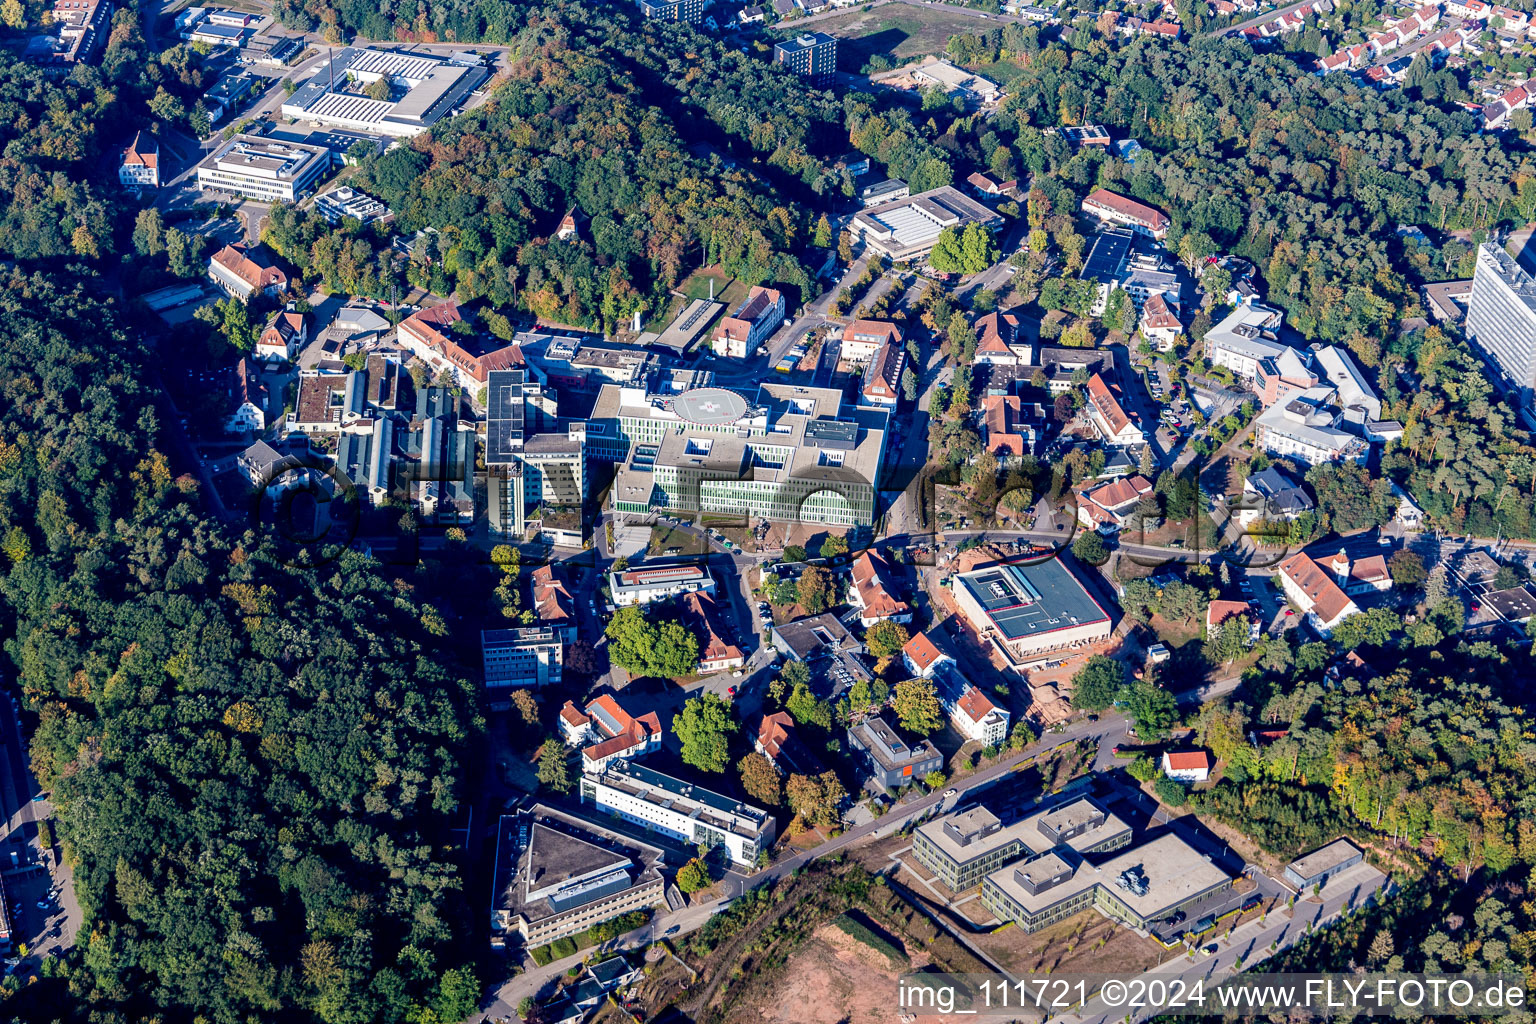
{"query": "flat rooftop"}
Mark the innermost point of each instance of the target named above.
(1030, 600)
(685, 798)
(1325, 859)
(1175, 873)
(549, 862)
(1026, 830)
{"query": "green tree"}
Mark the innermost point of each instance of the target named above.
(818, 799)
(917, 707)
(149, 232)
(12, 14)
(665, 649)
(693, 876)
(1089, 547)
(1150, 707)
(554, 772)
(886, 638)
(1171, 792)
(704, 728)
(833, 546)
(822, 236)
(1098, 683)
(807, 709)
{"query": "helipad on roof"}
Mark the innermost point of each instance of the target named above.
(710, 406)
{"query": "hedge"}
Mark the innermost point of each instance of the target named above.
(860, 932)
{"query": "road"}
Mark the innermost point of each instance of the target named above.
(1260, 19)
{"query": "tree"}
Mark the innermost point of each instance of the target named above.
(1171, 792)
(833, 546)
(815, 589)
(794, 553)
(886, 638)
(807, 708)
(199, 121)
(917, 707)
(1150, 707)
(1089, 547)
(817, 799)
(554, 773)
(704, 727)
(909, 384)
(760, 779)
(822, 237)
(693, 876)
(526, 707)
(1097, 684)
(967, 251)
(665, 649)
(149, 232)
(378, 89)
(12, 14)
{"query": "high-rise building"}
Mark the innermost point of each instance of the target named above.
(530, 459)
(1501, 320)
(812, 54)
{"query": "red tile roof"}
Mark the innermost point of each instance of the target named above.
(233, 258)
(1187, 760)
(1153, 219)
(1000, 416)
(922, 652)
(1218, 612)
(1103, 399)
(883, 330)
(1328, 601)
(871, 579)
(883, 378)
(573, 716)
(551, 599)
(774, 732)
(143, 151)
(995, 332)
(714, 648)
(975, 704)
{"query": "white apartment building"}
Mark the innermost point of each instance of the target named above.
(647, 584)
(685, 812)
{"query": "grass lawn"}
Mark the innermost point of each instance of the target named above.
(1002, 72)
(896, 30)
(727, 290)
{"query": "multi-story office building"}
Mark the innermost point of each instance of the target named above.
(963, 848)
(788, 453)
(892, 761)
(423, 89)
(531, 656)
(558, 874)
(1501, 322)
(263, 169)
(812, 54)
(1144, 884)
(686, 813)
(530, 460)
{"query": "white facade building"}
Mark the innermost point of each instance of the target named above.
(685, 812)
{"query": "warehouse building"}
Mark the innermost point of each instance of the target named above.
(422, 89)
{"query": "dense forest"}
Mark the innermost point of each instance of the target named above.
(1422, 749)
(253, 765)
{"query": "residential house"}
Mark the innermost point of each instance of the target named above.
(863, 338)
(987, 187)
(568, 227)
(1009, 429)
(1313, 590)
(998, 342)
(1408, 513)
(250, 400)
(1187, 765)
(285, 334)
(924, 658)
(1159, 324)
(739, 335)
(1107, 506)
(610, 732)
(243, 273)
(716, 654)
(1109, 418)
(891, 760)
(882, 378)
(271, 470)
(553, 605)
(1218, 612)
(140, 163)
(778, 741)
(1270, 494)
(1361, 575)
(751, 15)
(871, 591)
